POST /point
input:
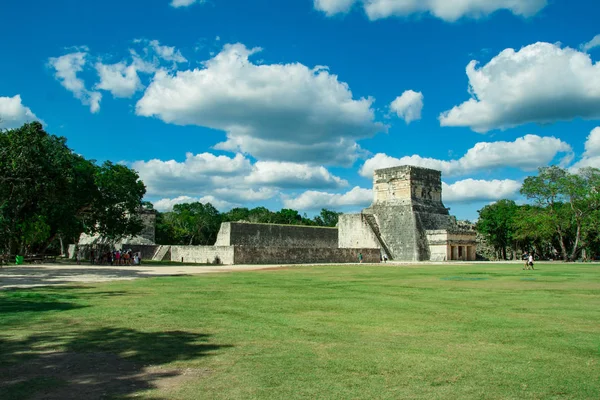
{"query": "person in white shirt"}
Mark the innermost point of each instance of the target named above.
(530, 261)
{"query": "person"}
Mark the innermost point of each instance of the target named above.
(385, 258)
(360, 257)
(526, 258)
(530, 261)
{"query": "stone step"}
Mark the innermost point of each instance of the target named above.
(372, 222)
(161, 252)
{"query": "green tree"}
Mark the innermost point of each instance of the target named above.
(497, 224)
(569, 203)
(327, 218)
(47, 192)
(195, 223)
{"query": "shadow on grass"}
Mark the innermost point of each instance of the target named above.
(101, 363)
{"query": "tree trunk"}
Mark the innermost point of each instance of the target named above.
(576, 245)
(62, 246)
(504, 252)
(563, 248)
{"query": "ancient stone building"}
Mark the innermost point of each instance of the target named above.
(408, 220)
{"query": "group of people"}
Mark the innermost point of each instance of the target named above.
(114, 257)
(528, 257)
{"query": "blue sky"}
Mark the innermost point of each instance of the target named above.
(294, 103)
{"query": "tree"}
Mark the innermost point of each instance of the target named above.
(568, 202)
(49, 192)
(497, 224)
(327, 218)
(195, 223)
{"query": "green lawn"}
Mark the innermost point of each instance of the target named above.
(424, 332)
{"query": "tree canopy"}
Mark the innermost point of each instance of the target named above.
(561, 223)
(48, 192)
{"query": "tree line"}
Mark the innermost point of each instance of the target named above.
(562, 221)
(49, 194)
(198, 224)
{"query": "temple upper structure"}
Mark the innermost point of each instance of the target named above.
(408, 219)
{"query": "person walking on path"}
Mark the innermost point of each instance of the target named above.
(360, 258)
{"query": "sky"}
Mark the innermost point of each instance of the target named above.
(294, 103)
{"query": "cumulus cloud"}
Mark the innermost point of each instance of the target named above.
(167, 204)
(540, 83)
(526, 153)
(184, 3)
(408, 106)
(444, 9)
(66, 69)
(195, 175)
(273, 112)
(231, 179)
(592, 44)
(292, 175)
(591, 156)
(167, 53)
(470, 190)
(120, 79)
(315, 200)
(13, 113)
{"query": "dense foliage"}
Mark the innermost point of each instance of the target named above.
(198, 224)
(49, 194)
(562, 223)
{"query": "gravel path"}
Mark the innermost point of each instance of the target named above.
(27, 276)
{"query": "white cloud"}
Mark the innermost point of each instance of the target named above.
(231, 179)
(315, 200)
(293, 175)
(184, 3)
(470, 190)
(167, 204)
(120, 79)
(67, 67)
(540, 83)
(408, 106)
(195, 175)
(13, 113)
(591, 156)
(277, 112)
(446, 10)
(526, 153)
(167, 53)
(592, 44)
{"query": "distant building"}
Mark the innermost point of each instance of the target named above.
(408, 220)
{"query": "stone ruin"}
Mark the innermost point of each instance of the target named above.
(406, 222)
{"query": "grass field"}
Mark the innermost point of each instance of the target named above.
(361, 332)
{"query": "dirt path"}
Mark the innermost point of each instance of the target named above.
(27, 276)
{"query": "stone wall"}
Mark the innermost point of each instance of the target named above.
(311, 255)
(355, 233)
(203, 254)
(398, 227)
(271, 235)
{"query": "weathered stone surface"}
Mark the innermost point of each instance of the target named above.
(407, 204)
(203, 254)
(272, 235)
(309, 255)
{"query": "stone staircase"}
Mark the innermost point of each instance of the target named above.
(161, 253)
(372, 222)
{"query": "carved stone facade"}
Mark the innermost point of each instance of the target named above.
(408, 220)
